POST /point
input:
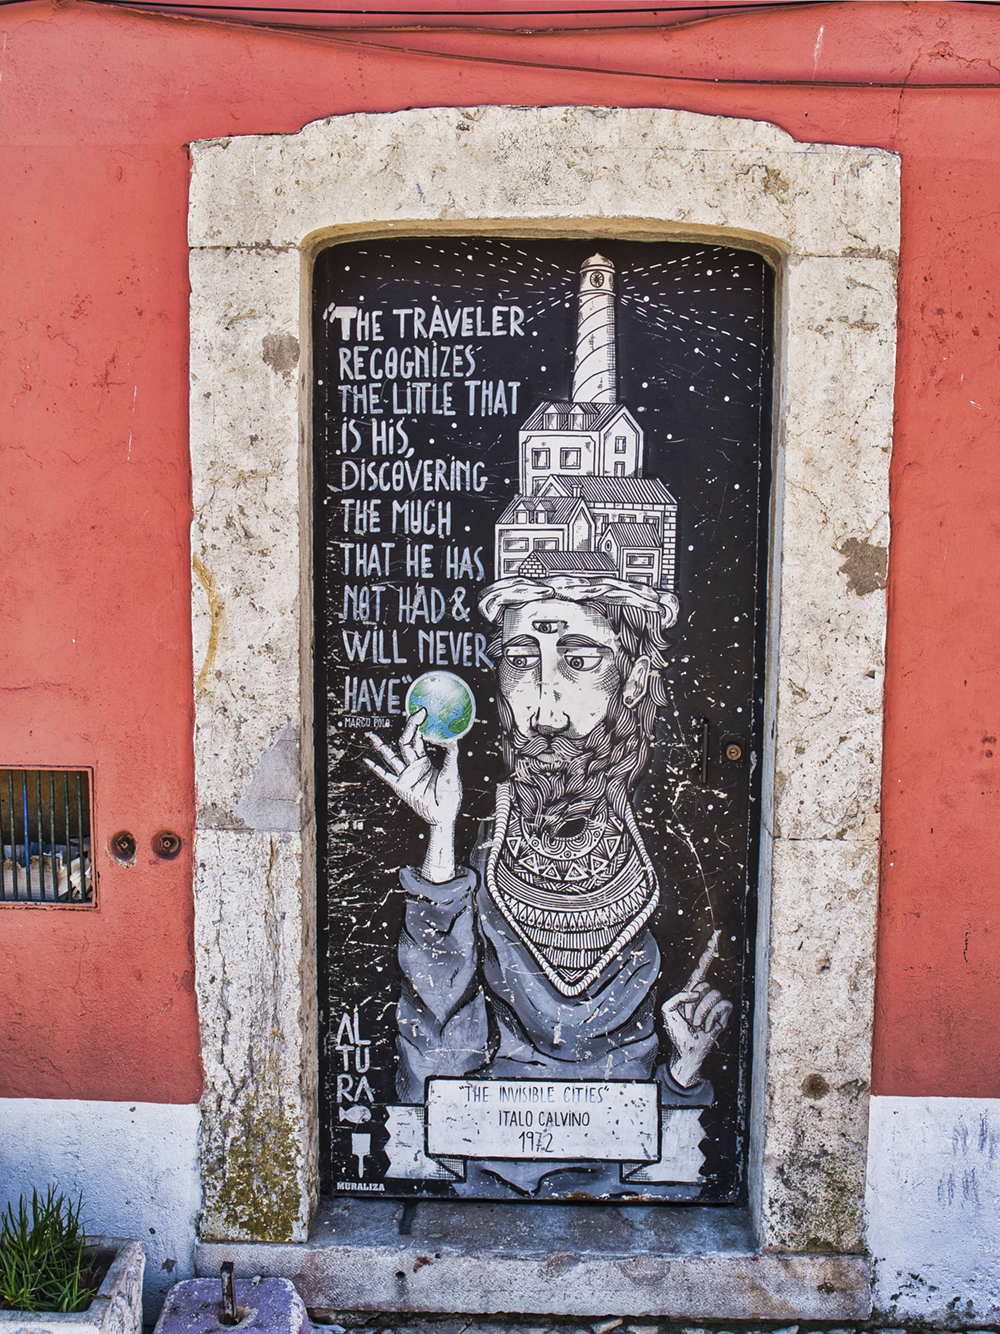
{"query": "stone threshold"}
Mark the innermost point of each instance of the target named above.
(365, 1322)
(443, 1257)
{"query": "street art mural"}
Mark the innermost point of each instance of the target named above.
(540, 632)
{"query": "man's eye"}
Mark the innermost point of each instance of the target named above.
(521, 659)
(583, 661)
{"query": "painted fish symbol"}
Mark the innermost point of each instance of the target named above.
(357, 1115)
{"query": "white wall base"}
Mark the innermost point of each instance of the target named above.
(933, 1197)
(933, 1203)
(136, 1164)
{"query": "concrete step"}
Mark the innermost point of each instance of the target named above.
(691, 1263)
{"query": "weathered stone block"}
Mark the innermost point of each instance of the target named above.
(263, 1306)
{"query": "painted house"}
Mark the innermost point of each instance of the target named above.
(588, 439)
(542, 524)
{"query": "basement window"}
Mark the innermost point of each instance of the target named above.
(45, 825)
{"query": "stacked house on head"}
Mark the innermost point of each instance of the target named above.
(584, 506)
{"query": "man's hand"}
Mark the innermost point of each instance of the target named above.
(695, 1019)
(432, 793)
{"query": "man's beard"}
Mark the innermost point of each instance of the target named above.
(570, 839)
(561, 781)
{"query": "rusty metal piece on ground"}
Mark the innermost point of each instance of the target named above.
(229, 1315)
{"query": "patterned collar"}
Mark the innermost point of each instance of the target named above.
(574, 916)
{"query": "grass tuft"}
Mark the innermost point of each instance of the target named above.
(45, 1264)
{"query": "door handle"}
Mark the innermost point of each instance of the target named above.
(704, 751)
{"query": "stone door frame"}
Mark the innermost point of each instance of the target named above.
(827, 218)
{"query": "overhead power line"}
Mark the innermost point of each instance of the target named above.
(394, 48)
(195, 10)
(368, 12)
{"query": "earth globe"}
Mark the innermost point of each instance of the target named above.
(450, 705)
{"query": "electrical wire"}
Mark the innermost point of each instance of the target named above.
(747, 7)
(494, 13)
(195, 10)
(369, 12)
(392, 48)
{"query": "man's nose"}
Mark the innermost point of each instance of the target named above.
(550, 718)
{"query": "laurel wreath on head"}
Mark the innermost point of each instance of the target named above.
(518, 592)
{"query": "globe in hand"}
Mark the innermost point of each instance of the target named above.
(450, 705)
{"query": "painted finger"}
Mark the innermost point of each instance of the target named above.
(386, 777)
(673, 1005)
(407, 737)
(719, 1018)
(411, 743)
(709, 954)
(704, 1007)
(693, 997)
(410, 727)
(388, 757)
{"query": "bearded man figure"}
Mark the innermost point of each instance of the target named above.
(537, 960)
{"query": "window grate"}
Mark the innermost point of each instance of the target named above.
(45, 829)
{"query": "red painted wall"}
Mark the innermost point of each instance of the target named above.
(96, 106)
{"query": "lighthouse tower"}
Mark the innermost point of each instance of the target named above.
(584, 505)
(595, 379)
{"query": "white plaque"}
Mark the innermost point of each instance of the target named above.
(602, 1121)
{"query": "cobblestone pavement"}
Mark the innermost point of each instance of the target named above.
(354, 1322)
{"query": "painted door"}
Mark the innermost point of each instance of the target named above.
(542, 477)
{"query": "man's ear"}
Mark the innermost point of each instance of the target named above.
(636, 682)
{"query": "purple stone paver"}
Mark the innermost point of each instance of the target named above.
(264, 1306)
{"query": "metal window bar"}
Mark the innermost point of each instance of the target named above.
(46, 836)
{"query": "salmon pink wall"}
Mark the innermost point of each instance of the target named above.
(97, 104)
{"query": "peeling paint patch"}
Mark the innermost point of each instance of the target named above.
(865, 565)
(213, 816)
(280, 352)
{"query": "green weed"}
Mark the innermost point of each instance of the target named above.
(45, 1261)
